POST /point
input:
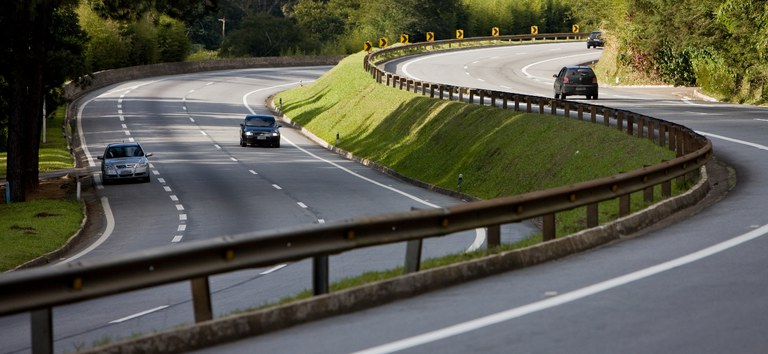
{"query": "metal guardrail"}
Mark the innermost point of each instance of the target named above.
(38, 290)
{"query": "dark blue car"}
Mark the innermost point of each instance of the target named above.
(260, 130)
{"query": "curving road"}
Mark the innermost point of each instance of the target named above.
(697, 285)
(205, 185)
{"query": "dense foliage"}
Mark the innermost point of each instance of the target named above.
(719, 45)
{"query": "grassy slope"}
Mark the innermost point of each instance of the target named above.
(499, 152)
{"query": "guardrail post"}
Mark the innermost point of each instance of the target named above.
(471, 96)
(461, 94)
(648, 194)
(320, 275)
(450, 93)
(666, 189)
(517, 103)
(441, 88)
(566, 109)
(389, 76)
(529, 109)
(593, 113)
(42, 331)
(553, 105)
(494, 236)
(481, 93)
(493, 99)
(620, 120)
(624, 205)
(592, 215)
(548, 227)
(201, 299)
(651, 130)
(580, 110)
(431, 91)
(413, 255)
(662, 134)
(631, 125)
(607, 116)
(640, 127)
(504, 100)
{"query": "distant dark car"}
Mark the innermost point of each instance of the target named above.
(259, 130)
(124, 161)
(595, 39)
(576, 80)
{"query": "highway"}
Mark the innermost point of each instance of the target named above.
(695, 284)
(204, 185)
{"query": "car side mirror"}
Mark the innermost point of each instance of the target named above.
(242, 124)
(148, 154)
(100, 157)
(555, 75)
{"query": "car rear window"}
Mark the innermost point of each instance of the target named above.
(582, 72)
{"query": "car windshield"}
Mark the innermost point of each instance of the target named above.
(124, 151)
(260, 122)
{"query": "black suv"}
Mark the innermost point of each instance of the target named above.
(576, 80)
(595, 39)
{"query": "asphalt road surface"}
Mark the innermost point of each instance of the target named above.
(698, 285)
(204, 185)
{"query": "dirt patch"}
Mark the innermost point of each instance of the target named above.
(49, 188)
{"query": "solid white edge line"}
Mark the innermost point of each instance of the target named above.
(737, 141)
(273, 269)
(479, 233)
(139, 314)
(107, 232)
(513, 313)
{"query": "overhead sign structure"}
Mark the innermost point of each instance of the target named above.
(430, 36)
(459, 34)
(368, 46)
(383, 42)
(534, 29)
(404, 38)
(575, 28)
(495, 32)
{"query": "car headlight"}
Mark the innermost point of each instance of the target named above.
(275, 133)
(111, 169)
(248, 133)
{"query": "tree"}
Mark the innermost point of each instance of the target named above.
(43, 31)
(262, 35)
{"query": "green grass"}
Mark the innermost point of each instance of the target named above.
(53, 153)
(34, 228)
(498, 152)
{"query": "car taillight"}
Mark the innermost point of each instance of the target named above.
(594, 80)
(565, 80)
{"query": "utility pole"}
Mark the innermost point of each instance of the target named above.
(223, 21)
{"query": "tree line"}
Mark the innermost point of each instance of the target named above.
(718, 45)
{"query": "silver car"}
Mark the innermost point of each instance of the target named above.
(124, 161)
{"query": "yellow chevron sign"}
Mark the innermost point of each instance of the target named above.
(534, 29)
(459, 34)
(575, 28)
(495, 32)
(430, 36)
(368, 46)
(383, 42)
(404, 38)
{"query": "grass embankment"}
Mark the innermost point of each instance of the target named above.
(39, 226)
(498, 152)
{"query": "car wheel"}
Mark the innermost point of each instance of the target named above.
(557, 95)
(563, 96)
(242, 142)
(594, 97)
(277, 144)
